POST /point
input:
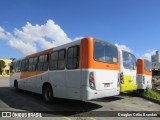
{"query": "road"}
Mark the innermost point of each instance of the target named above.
(11, 100)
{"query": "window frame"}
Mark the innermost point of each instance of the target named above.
(105, 42)
(78, 53)
(38, 63)
(145, 65)
(133, 56)
(57, 60)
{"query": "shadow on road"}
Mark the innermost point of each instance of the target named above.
(28, 101)
(108, 99)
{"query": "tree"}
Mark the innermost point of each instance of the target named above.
(2, 65)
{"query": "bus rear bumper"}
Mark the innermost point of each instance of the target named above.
(127, 88)
(143, 86)
(89, 94)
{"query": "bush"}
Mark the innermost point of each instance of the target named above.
(151, 94)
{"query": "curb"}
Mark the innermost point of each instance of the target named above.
(151, 99)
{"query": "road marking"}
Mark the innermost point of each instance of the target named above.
(67, 118)
(91, 118)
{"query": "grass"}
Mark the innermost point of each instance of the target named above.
(151, 94)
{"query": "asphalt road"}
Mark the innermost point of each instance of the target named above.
(11, 100)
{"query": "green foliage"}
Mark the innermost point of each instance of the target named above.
(151, 94)
(2, 65)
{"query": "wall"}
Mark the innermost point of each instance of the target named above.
(6, 70)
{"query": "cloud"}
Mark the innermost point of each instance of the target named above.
(5, 35)
(123, 47)
(78, 38)
(33, 37)
(148, 55)
(25, 48)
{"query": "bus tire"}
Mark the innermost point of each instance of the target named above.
(16, 85)
(47, 94)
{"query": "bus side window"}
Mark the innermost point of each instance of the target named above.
(40, 63)
(30, 68)
(57, 61)
(43, 63)
(54, 61)
(19, 66)
(26, 65)
(61, 60)
(15, 66)
(73, 57)
(23, 65)
(35, 62)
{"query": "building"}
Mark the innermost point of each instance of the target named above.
(156, 61)
(6, 70)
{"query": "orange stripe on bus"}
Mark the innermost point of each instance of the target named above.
(30, 74)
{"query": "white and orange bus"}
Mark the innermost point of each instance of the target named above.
(82, 70)
(127, 71)
(144, 74)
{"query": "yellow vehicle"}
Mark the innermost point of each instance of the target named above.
(127, 71)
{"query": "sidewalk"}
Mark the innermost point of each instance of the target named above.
(4, 81)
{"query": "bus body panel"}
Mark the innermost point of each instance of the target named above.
(63, 88)
(129, 75)
(106, 79)
(101, 78)
(15, 76)
(66, 84)
(39, 81)
(89, 94)
(58, 82)
(144, 81)
(129, 81)
(144, 77)
(74, 83)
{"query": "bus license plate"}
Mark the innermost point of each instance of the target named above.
(106, 84)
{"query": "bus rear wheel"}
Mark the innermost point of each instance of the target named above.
(47, 94)
(16, 85)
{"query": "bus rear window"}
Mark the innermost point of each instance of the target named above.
(105, 52)
(147, 65)
(129, 60)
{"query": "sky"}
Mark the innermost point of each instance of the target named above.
(29, 26)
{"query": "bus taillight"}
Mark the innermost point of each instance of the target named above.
(91, 80)
(121, 78)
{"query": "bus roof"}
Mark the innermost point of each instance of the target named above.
(76, 42)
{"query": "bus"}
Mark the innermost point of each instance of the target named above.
(144, 74)
(81, 70)
(127, 71)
